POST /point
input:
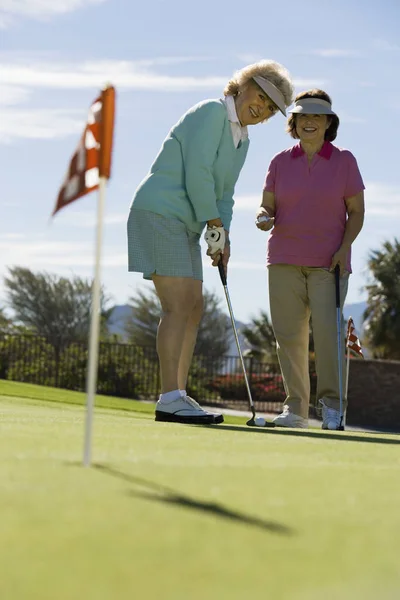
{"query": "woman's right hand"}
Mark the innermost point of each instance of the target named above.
(263, 220)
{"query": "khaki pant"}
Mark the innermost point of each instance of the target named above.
(296, 294)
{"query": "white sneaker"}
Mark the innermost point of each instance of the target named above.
(185, 410)
(330, 417)
(289, 419)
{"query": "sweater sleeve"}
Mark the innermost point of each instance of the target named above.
(200, 139)
(225, 207)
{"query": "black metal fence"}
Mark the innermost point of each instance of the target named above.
(131, 371)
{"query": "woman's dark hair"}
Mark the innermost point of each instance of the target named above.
(331, 132)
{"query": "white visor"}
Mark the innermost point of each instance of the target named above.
(312, 106)
(272, 91)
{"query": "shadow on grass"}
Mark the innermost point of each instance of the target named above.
(160, 493)
(370, 438)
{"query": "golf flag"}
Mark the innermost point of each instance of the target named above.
(92, 157)
(352, 342)
(89, 170)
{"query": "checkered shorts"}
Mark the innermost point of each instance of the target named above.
(163, 246)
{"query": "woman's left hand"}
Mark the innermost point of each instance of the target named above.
(340, 258)
(225, 257)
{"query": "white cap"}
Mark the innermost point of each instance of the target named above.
(273, 92)
(312, 106)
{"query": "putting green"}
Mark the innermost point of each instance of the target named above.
(180, 512)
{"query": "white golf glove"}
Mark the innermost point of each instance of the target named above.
(215, 238)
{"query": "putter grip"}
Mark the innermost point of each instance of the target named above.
(222, 272)
(337, 285)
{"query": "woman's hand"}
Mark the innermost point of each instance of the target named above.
(224, 256)
(266, 223)
(340, 258)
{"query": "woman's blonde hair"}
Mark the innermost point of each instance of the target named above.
(271, 70)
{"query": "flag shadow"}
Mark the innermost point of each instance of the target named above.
(160, 493)
(371, 438)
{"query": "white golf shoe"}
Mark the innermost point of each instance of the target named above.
(290, 419)
(185, 410)
(330, 417)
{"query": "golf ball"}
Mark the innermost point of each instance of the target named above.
(260, 421)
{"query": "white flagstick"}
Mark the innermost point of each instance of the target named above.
(91, 381)
(347, 384)
(347, 369)
(347, 372)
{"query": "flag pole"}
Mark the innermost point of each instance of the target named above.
(347, 372)
(88, 170)
(94, 327)
(348, 361)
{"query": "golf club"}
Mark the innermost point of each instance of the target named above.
(252, 421)
(339, 344)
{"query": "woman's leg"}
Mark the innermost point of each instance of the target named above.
(321, 284)
(189, 340)
(176, 334)
(181, 302)
(290, 317)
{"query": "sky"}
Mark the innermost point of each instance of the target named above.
(163, 57)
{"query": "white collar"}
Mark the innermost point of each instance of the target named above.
(232, 115)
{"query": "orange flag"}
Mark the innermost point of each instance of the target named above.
(352, 341)
(92, 158)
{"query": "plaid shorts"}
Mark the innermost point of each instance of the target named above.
(163, 246)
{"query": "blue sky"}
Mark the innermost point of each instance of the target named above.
(163, 57)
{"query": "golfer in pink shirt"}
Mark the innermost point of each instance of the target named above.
(314, 202)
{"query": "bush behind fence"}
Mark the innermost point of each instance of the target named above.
(130, 371)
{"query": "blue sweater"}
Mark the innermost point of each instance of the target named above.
(193, 177)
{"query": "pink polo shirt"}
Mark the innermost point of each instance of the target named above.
(311, 214)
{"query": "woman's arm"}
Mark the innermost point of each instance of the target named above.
(200, 136)
(355, 210)
(267, 209)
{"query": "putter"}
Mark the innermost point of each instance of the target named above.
(339, 345)
(252, 421)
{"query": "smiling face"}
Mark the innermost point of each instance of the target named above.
(312, 128)
(253, 105)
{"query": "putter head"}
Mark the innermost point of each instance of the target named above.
(340, 428)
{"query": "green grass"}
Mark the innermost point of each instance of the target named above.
(176, 512)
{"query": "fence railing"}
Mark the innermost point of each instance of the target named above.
(130, 371)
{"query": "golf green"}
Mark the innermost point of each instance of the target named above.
(183, 512)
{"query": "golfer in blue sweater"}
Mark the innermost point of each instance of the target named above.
(190, 187)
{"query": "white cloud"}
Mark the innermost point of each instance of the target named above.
(386, 45)
(50, 255)
(336, 53)
(170, 60)
(382, 200)
(346, 118)
(301, 82)
(249, 58)
(12, 236)
(39, 124)
(76, 257)
(38, 9)
(87, 219)
(123, 74)
(22, 76)
(248, 202)
(10, 95)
